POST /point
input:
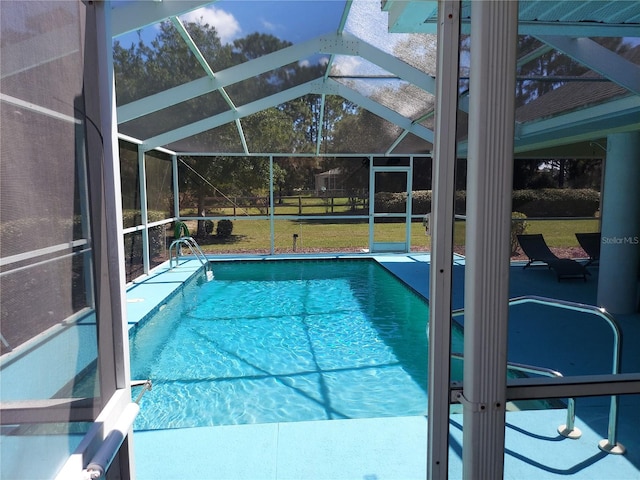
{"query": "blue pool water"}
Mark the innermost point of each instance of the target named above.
(278, 341)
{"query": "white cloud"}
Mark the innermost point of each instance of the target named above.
(225, 24)
(348, 65)
(270, 27)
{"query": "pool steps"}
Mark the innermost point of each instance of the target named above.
(195, 249)
(609, 444)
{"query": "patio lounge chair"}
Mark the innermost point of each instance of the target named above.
(536, 249)
(590, 243)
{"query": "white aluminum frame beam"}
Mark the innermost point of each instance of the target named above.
(209, 71)
(313, 87)
(231, 115)
(134, 16)
(579, 386)
(621, 115)
(376, 108)
(494, 32)
(441, 227)
(599, 59)
(615, 116)
(331, 44)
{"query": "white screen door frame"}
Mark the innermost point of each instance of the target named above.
(403, 243)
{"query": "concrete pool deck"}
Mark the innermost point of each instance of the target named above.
(394, 448)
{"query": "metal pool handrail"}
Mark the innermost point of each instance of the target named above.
(195, 249)
(146, 385)
(569, 429)
(610, 444)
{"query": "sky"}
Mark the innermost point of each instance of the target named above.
(295, 21)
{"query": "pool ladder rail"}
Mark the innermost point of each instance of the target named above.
(567, 430)
(194, 248)
(146, 385)
(609, 444)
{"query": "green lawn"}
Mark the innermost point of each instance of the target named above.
(328, 235)
(300, 205)
(561, 233)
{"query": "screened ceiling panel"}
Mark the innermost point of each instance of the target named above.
(266, 26)
(166, 62)
(221, 139)
(584, 91)
(429, 120)
(277, 80)
(367, 133)
(569, 97)
(267, 60)
(539, 66)
(273, 128)
(352, 66)
(367, 21)
(175, 116)
(400, 96)
(411, 144)
(614, 43)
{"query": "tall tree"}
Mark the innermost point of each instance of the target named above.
(144, 69)
(539, 76)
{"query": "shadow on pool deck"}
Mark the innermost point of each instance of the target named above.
(394, 448)
(569, 342)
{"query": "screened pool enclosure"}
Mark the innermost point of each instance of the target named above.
(251, 123)
(288, 128)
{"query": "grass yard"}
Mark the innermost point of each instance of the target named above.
(561, 233)
(297, 205)
(330, 236)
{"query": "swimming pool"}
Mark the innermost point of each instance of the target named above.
(278, 341)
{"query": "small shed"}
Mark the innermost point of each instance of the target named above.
(329, 182)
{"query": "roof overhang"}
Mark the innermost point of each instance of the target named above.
(583, 18)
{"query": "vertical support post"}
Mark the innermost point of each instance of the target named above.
(271, 210)
(85, 214)
(176, 188)
(407, 233)
(113, 337)
(494, 28)
(441, 226)
(620, 214)
(372, 198)
(111, 229)
(144, 215)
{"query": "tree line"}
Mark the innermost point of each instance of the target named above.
(299, 125)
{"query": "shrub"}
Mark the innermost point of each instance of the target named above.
(421, 201)
(390, 202)
(557, 202)
(547, 202)
(208, 227)
(225, 227)
(518, 227)
(131, 218)
(157, 215)
(460, 202)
